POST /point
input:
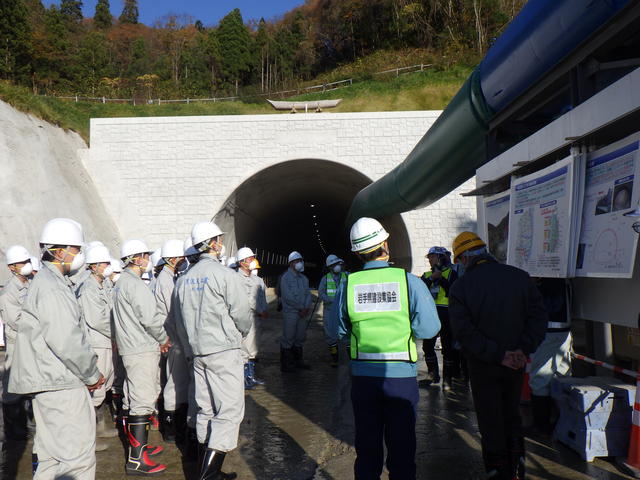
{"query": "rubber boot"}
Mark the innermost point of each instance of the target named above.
(138, 461)
(516, 458)
(104, 425)
(154, 423)
(152, 451)
(180, 422)
(116, 405)
(15, 421)
(248, 384)
(333, 351)
(192, 446)
(297, 356)
(252, 374)
(211, 467)
(169, 426)
(285, 360)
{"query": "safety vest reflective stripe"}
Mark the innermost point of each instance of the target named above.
(439, 295)
(378, 307)
(558, 324)
(332, 287)
(384, 356)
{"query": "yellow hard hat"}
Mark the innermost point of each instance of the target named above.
(466, 241)
(258, 264)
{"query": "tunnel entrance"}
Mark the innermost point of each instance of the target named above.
(301, 205)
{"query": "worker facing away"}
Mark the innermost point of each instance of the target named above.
(381, 312)
(498, 317)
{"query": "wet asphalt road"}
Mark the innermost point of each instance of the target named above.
(299, 426)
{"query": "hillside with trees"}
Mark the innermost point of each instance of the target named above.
(56, 51)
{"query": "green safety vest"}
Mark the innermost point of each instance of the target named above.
(332, 287)
(439, 295)
(378, 307)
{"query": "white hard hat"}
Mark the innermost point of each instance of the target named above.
(294, 256)
(98, 254)
(333, 259)
(156, 258)
(62, 231)
(202, 231)
(35, 263)
(133, 247)
(366, 234)
(95, 243)
(172, 248)
(17, 254)
(244, 252)
(116, 264)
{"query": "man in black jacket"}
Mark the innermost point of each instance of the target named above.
(498, 317)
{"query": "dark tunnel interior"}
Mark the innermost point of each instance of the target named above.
(301, 205)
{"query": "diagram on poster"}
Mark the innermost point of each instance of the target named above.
(607, 244)
(540, 220)
(496, 211)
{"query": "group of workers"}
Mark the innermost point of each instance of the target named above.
(183, 347)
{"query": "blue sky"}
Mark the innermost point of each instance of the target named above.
(208, 12)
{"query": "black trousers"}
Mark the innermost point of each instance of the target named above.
(450, 355)
(496, 396)
(385, 411)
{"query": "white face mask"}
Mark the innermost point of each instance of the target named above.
(149, 266)
(77, 263)
(253, 265)
(254, 272)
(115, 278)
(26, 270)
(107, 272)
(299, 266)
(337, 268)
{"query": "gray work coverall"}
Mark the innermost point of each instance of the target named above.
(139, 335)
(54, 361)
(95, 307)
(255, 289)
(11, 300)
(176, 370)
(295, 295)
(330, 326)
(215, 313)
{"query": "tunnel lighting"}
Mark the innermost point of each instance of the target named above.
(312, 205)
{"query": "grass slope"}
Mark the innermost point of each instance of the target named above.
(428, 90)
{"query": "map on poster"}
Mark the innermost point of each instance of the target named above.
(496, 212)
(607, 245)
(540, 220)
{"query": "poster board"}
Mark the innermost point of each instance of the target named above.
(540, 220)
(607, 244)
(496, 215)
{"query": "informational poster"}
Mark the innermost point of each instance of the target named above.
(540, 220)
(607, 245)
(496, 214)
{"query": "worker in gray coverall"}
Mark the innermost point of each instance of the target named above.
(296, 305)
(176, 370)
(140, 338)
(95, 307)
(216, 316)
(255, 288)
(329, 285)
(54, 362)
(14, 407)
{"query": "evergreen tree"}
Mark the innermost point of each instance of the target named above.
(235, 43)
(72, 10)
(102, 17)
(130, 12)
(15, 40)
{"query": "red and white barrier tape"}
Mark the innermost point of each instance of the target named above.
(608, 366)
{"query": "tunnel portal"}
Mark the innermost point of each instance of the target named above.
(301, 205)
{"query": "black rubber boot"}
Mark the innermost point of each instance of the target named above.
(298, 358)
(211, 467)
(169, 426)
(15, 421)
(138, 461)
(516, 458)
(286, 360)
(433, 373)
(191, 448)
(180, 421)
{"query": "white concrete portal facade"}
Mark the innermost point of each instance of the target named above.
(159, 175)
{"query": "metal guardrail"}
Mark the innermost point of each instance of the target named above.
(324, 87)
